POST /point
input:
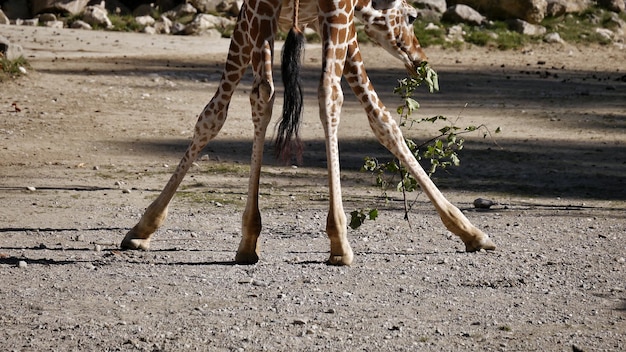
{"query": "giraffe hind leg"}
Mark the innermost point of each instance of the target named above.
(262, 97)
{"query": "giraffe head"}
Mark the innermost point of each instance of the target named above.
(392, 29)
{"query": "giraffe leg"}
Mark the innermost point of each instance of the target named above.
(390, 135)
(154, 216)
(330, 97)
(336, 223)
(261, 101)
(207, 127)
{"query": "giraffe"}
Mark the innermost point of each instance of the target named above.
(252, 43)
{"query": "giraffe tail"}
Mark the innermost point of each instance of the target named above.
(288, 142)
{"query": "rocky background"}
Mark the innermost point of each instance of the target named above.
(216, 17)
(198, 16)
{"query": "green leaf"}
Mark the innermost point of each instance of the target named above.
(412, 105)
(356, 219)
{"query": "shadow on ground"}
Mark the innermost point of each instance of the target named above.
(538, 167)
(523, 168)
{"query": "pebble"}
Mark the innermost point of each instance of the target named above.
(22, 264)
(482, 203)
(97, 248)
(259, 283)
(31, 188)
(300, 321)
(126, 190)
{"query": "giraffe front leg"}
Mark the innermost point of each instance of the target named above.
(139, 236)
(336, 228)
(457, 223)
(207, 127)
(454, 220)
(154, 216)
(389, 134)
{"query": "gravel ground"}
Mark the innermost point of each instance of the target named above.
(105, 116)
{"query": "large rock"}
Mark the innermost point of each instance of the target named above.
(80, 24)
(613, 5)
(523, 27)
(435, 5)
(553, 38)
(15, 9)
(144, 10)
(163, 25)
(205, 6)
(73, 7)
(180, 11)
(557, 8)
(205, 22)
(145, 20)
(9, 50)
(532, 11)
(230, 7)
(463, 14)
(97, 16)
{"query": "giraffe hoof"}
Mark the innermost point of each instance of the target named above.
(246, 258)
(132, 242)
(483, 243)
(340, 260)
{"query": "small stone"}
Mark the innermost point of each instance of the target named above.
(300, 321)
(80, 238)
(259, 283)
(553, 37)
(126, 190)
(22, 264)
(31, 188)
(482, 203)
(97, 248)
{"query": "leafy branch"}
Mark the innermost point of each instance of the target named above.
(440, 150)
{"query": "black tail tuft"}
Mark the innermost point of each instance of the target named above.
(287, 140)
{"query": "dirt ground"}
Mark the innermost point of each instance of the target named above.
(104, 118)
